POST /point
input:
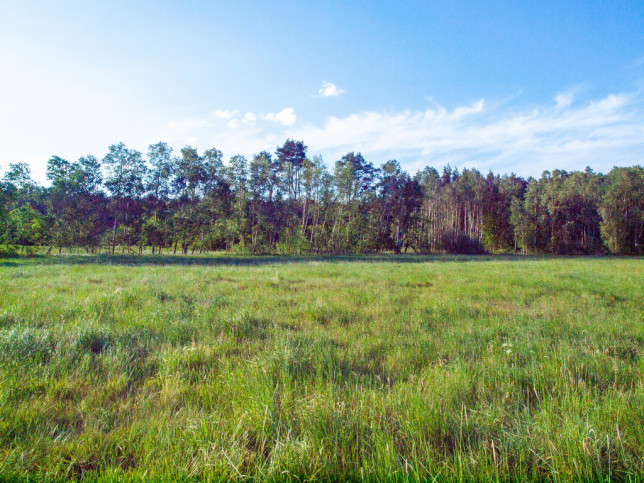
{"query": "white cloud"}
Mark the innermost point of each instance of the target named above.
(600, 133)
(329, 89)
(286, 116)
(564, 100)
(224, 114)
(233, 123)
(504, 137)
(567, 131)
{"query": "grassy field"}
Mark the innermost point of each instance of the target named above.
(376, 368)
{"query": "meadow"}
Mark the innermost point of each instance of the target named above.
(375, 368)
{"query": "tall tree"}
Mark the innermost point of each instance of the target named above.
(126, 171)
(63, 206)
(622, 211)
(159, 184)
(401, 199)
(213, 160)
(291, 156)
(355, 183)
(216, 205)
(237, 177)
(160, 174)
(496, 203)
(189, 184)
(22, 186)
(530, 218)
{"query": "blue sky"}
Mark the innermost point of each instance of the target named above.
(508, 86)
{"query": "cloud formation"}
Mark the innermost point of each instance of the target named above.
(502, 137)
(224, 114)
(600, 134)
(329, 89)
(286, 117)
(563, 99)
(234, 120)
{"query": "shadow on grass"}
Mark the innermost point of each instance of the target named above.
(249, 260)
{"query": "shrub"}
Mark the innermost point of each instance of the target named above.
(7, 250)
(460, 244)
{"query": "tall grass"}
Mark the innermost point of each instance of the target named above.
(343, 369)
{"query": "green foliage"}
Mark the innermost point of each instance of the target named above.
(622, 210)
(25, 226)
(287, 203)
(159, 176)
(19, 176)
(291, 157)
(7, 250)
(560, 213)
(126, 170)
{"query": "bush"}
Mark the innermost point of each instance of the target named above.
(460, 244)
(7, 250)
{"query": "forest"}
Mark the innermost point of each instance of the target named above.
(290, 203)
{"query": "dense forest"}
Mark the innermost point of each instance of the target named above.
(287, 202)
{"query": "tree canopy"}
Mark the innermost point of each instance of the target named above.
(288, 202)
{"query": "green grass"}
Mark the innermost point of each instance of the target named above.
(346, 368)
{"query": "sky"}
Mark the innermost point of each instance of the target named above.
(506, 86)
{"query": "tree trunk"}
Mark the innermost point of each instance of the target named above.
(304, 214)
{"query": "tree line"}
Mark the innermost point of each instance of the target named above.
(288, 202)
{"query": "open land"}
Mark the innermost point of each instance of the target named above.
(345, 368)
